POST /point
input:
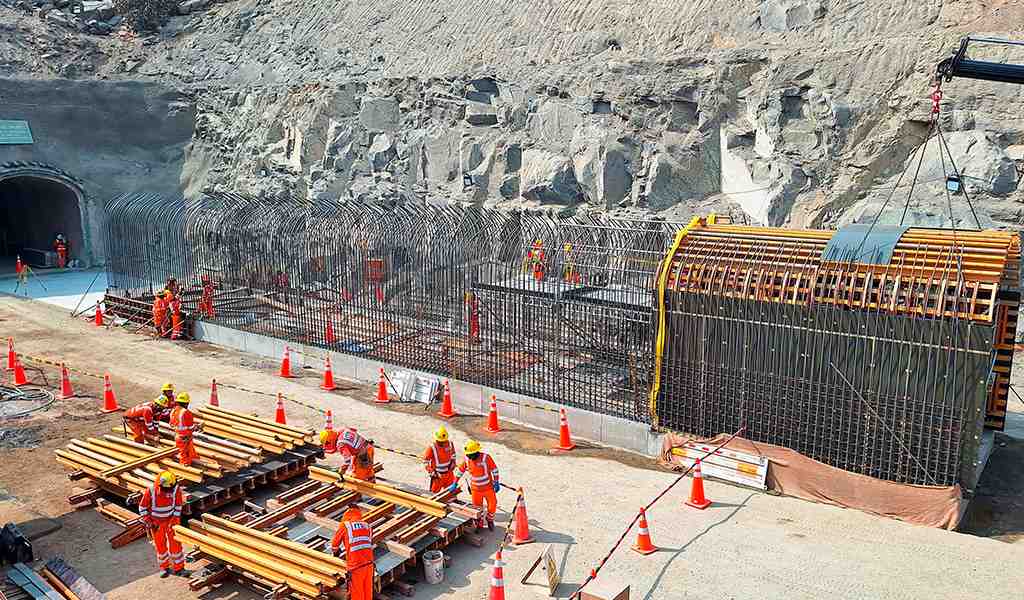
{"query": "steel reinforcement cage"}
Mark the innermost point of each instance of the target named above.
(555, 308)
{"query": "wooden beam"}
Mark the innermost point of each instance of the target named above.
(139, 462)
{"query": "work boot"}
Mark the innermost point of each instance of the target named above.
(183, 573)
(490, 524)
(165, 574)
(480, 523)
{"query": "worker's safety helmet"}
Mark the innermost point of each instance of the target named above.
(168, 294)
(323, 436)
(161, 400)
(441, 435)
(167, 479)
(168, 387)
(353, 514)
(60, 236)
(472, 447)
(183, 398)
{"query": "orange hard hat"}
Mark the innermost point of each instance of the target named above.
(353, 514)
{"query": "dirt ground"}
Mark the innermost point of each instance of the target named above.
(772, 546)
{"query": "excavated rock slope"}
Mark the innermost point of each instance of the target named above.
(798, 112)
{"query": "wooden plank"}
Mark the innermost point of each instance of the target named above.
(47, 590)
(134, 464)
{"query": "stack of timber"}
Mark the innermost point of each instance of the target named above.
(237, 452)
(56, 580)
(284, 549)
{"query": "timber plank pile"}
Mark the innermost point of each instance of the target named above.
(237, 452)
(56, 580)
(283, 549)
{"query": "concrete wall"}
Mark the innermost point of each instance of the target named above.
(112, 137)
(469, 398)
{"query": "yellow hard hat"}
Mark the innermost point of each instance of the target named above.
(472, 447)
(161, 400)
(167, 479)
(183, 398)
(323, 436)
(441, 435)
(167, 388)
(168, 294)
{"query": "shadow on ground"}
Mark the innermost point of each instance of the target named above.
(997, 509)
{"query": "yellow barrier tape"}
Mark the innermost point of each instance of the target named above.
(46, 361)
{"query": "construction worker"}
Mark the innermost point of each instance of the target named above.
(60, 246)
(159, 312)
(171, 286)
(21, 271)
(535, 258)
(206, 300)
(357, 537)
(483, 480)
(358, 454)
(160, 509)
(329, 441)
(184, 424)
(439, 460)
(167, 395)
(473, 306)
(174, 306)
(142, 419)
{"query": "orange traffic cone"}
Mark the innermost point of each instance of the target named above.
(286, 363)
(19, 373)
(11, 357)
(521, 535)
(697, 499)
(328, 383)
(564, 438)
(279, 413)
(109, 399)
(382, 389)
(497, 579)
(643, 543)
(329, 425)
(379, 292)
(329, 333)
(214, 401)
(492, 417)
(65, 384)
(98, 318)
(447, 411)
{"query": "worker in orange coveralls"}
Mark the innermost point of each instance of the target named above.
(535, 258)
(483, 480)
(206, 300)
(174, 306)
(60, 246)
(358, 454)
(357, 537)
(184, 424)
(142, 419)
(439, 460)
(159, 312)
(329, 440)
(473, 306)
(160, 509)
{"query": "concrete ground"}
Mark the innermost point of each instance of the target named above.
(748, 545)
(66, 288)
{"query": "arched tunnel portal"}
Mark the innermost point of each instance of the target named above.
(36, 204)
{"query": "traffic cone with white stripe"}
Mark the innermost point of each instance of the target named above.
(286, 364)
(98, 317)
(382, 389)
(279, 413)
(328, 383)
(214, 401)
(329, 425)
(109, 399)
(497, 579)
(11, 356)
(697, 499)
(19, 373)
(65, 384)
(447, 411)
(329, 333)
(564, 437)
(643, 543)
(521, 535)
(492, 417)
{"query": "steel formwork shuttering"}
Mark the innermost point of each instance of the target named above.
(555, 308)
(884, 360)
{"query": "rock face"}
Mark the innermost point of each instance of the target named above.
(784, 112)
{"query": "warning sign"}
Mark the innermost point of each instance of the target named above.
(15, 132)
(546, 561)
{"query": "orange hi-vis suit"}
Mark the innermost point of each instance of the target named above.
(175, 307)
(331, 443)
(483, 474)
(161, 511)
(184, 425)
(61, 249)
(159, 313)
(440, 464)
(206, 300)
(358, 454)
(473, 305)
(141, 420)
(357, 536)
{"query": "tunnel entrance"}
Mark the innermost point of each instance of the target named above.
(33, 210)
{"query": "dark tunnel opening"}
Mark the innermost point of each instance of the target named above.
(33, 210)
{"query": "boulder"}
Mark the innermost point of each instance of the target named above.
(554, 124)
(382, 151)
(379, 114)
(509, 188)
(480, 114)
(57, 17)
(548, 178)
(784, 15)
(191, 6)
(983, 164)
(603, 173)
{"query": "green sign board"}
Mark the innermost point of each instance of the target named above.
(15, 132)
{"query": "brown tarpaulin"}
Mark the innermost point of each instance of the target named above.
(794, 474)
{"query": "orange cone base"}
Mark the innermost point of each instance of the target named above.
(493, 428)
(644, 551)
(328, 385)
(561, 448)
(519, 542)
(699, 505)
(447, 414)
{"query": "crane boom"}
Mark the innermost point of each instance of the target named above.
(959, 65)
